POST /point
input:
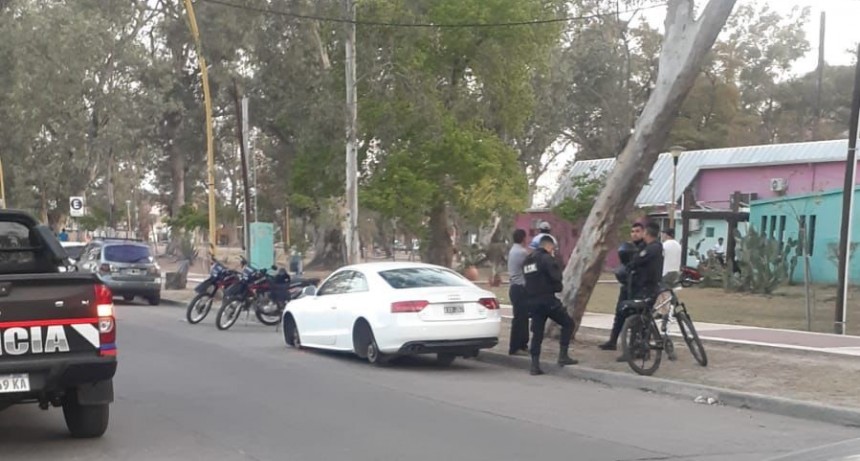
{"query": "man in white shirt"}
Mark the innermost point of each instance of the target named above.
(671, 258)
(720, 252)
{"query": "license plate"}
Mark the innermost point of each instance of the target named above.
(14, 383)
(134, 272)
(455, 309)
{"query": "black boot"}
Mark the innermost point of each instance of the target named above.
(610, 345)
(564, 358)
(535, 369)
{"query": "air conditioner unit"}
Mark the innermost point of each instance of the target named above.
(695, 225)
(778, 185)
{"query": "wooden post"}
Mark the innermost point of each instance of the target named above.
(685, 224)
(730, 238)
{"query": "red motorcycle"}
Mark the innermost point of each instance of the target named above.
(689, 277)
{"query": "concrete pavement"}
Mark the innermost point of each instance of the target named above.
(191, 392)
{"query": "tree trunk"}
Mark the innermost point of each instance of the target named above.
(439, 250)
(329, 249)
(685, 46)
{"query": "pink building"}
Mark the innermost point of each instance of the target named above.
(714, 185)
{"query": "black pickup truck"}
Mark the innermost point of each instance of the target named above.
(57, 329)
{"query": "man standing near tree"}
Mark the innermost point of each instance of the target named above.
(543, 281)
(626, 252)
(517, 294)
(671, 258)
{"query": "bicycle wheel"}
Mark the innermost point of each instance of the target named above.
(641, 344)
(691, 337)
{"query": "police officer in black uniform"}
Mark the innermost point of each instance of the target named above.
(647, 266)
(626, 252)
(543, 281)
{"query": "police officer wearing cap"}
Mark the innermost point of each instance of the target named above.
(543, 280)
(544, 229)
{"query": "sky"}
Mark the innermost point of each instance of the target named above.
(842, 35)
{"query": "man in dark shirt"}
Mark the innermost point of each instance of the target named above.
(647, 266)
(625, 255)
(543, 281)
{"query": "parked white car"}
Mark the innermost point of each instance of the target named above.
(383, 310)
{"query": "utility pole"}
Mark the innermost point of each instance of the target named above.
(210, 144)
(848, 206)
(816, 133)
(241, 114)
(351, 225)
(2, 187)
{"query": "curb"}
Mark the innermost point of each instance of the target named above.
(727, 397)
(172, 302)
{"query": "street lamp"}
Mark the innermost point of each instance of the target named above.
(128, 219)
(676, 154)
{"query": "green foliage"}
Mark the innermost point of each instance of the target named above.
(764, 263)
(187, 249)
(189, 219)
(575, 209)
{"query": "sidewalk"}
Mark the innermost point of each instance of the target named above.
(755, 336)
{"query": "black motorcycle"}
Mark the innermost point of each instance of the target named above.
(266, 294)
(220, 278)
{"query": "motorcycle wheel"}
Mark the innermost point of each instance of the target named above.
(228, 314)
(199, 308)
(269, 314)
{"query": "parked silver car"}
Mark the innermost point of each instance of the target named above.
(127, 267)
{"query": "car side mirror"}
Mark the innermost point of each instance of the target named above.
(309, 291)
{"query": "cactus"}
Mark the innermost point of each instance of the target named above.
(764, 263)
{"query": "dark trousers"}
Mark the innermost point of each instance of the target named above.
(520, 324)
(618, 321)
(540, 313)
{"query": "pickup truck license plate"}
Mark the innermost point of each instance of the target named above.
(455, 309)
(14, 383)
(133, 272)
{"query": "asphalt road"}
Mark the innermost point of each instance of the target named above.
(194, 393)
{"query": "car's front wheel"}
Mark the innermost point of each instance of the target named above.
(85, 421)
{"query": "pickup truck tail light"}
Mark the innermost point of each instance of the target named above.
(107, 320)
(489, 303)
(154, 271)
(408, 306)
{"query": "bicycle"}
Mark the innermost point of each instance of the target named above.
(641, 337)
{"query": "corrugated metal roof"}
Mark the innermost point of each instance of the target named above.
(659, 187)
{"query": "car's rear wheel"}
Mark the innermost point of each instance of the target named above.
(155, 299)
(445, 360)
(85, 421)
(365, 345)
(128, 299)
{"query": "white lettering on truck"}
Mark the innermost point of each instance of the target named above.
(18, 341)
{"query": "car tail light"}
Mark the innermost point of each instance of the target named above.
(107, 320)
(408, 306)
(489, 303)
(105, 268)
(154, 271)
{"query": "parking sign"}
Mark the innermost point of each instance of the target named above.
(76, 206)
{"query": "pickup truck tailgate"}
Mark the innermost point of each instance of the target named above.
(50, 315)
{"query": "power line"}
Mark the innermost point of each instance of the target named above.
(427, 25)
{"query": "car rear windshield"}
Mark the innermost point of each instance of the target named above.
(127, 254)
(74, 252)
(16, 250)
(422, 277)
